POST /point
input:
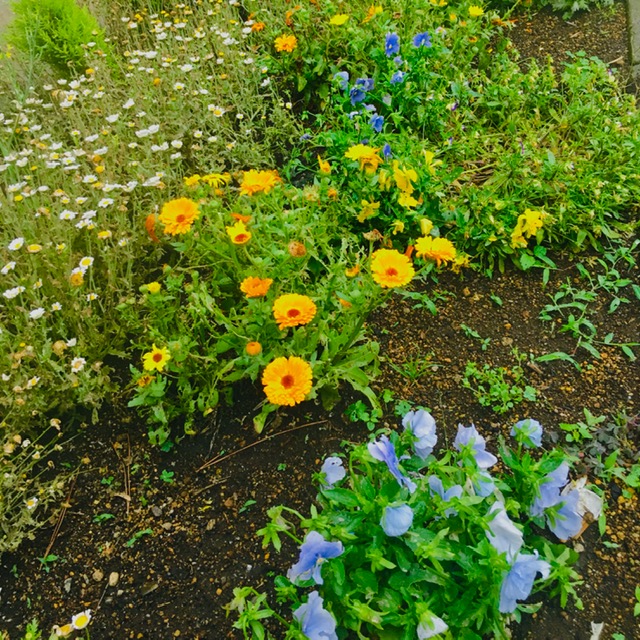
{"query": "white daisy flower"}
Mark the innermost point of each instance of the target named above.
(77, 364)
(36, 314)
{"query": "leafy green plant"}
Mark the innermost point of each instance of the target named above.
(403, 542)
(500, 388)
(581, 431)
(56, 31)
(472, 333)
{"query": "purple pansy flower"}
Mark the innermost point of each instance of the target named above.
(423, 427)
(422, 40)
(333, 470)
(483, 484)
(391, 44)
(384, 451)
(313, 552)
(377, 122)
(396, 521)
(356, 95)
(518, 582)
(316, 622)
(470, 436)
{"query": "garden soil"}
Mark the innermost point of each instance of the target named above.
(183, 531)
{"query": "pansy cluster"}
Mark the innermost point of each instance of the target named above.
(407, 540)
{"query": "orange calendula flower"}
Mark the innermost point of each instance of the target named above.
(372, 12)
(287, 381)
(367, 157)
(286, 43)
(324, 166)
(150, 226)
(156, 359)
(238, 233)
(390, 268)
(253, 348)
(254, 287)
(177, 216)
(258, 26)
(353, 272)
(293, 309)
(257, 181)
(239, 216)
(438, 249)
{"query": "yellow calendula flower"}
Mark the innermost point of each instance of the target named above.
(438, 249)
(293, 309)
(254, 287)
(372, 11)
(368, 210)
(475, 11)
(238, 233)
(367, 157)
(154, 287)
(324, 166)
(178, 215)
(216, 180)
(286, 43)
(258, 181)
(404, 177)
(339, 19)
(156, 359)
(390, 268)
(287, 381)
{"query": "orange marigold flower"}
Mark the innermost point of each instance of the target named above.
(293, 309)
(253, 348)
(255, 287)
(286, 43)
(239, 216)
(238, 233)
(438, 249)
(256, 181)
(177, 216)
(258, 26)
(390, 268)
(287, 380)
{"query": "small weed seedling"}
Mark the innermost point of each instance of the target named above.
(361, 412)
(167, 476)
(48, 561)
(136, 536)
(246, 505)
(581, 431)
(472, 333)
(103, 517)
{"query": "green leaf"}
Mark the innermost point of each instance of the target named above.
(345, 497)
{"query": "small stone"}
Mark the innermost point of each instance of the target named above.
(157, 511)
(166, 526)
(97, 575)
(114, 576)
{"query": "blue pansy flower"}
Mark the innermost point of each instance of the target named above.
(550, 490)
(422, 39)
(371, 108)
(437, 488)
(316, 622)
(470, 436)
(528, 432)
(384, 451)
(386, 151)
(565, 521)
(518, 582)
(423, 427)
(430, 626)
(366, 84)
(396, 521)
(377, 122)
(313, 552)
(333, 470)
(391, 44)
(398, 61)
(356, 95)
(343, 78)
(397, 77)
(502, 533)
(483, 484)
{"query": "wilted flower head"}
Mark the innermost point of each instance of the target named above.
(313, 552)
(423, 427)
(469, 436)
(396, 521)
(333, 470)
(528, 432)
(518, 582)
(384, 451)
(316, 622)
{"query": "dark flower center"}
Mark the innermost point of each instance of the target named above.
(391, 272)
(287, 381)
(180, 217)
(157, 357)
(293, 313)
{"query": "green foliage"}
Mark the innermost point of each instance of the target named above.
(57, 32)
(443, 565)
(500, 388)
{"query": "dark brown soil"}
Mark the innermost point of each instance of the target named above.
(201, 540)
(602, 33)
